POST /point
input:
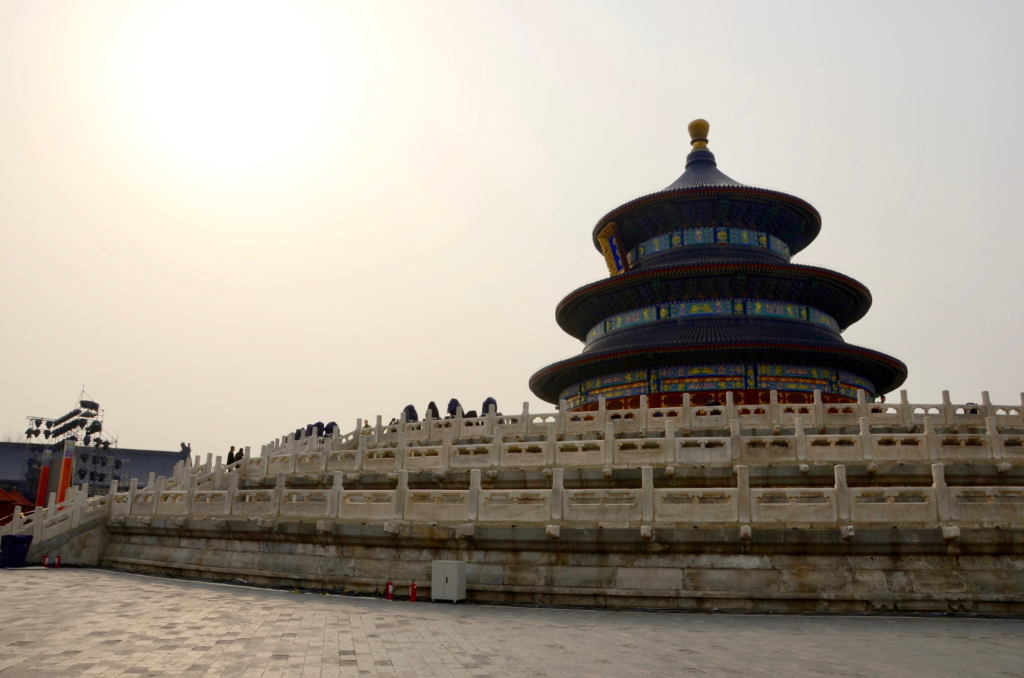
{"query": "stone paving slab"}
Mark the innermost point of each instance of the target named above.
(80, 622)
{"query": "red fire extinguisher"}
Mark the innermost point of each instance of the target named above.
(412, 592)
(46, 560)
(56, 562)
(389, 591)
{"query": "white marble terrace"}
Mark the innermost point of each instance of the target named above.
(863, 434)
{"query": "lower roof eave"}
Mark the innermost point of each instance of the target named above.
(886, 372)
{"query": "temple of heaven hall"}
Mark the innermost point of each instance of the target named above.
(703, 300)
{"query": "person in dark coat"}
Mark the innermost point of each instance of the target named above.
(453, 406)
(410, 413)
(490, 405)
(432, 410)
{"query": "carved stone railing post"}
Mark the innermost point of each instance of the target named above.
(557, 493)
(995, 440)
(906, 411)
(801, 439)
(947, 410)
(670, 441)
(377, 429)
(334, 509)
(495, 454)
(524, 420)
(190, 490)
(473, 508)
(446, 448)
(730, 406)
(743, 493)
(819, 409)
(229, 500)
(865, 439)
(400, 450)
(686, 418)
(400, 493)
(941, 492)
(863, 409)
(562, 416)
(360, 445)
(986, 402)
(930, 439)
(773, 406)
(647, 493)
(609, 442)
(602, 412)
(218, 474)
(735, 440)
(551, 445)
(842, 493)
(279, 488)
(642, 414)
(133, 487)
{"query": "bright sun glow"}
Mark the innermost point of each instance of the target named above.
(229, 89)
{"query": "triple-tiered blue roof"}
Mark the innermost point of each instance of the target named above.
(702, 283)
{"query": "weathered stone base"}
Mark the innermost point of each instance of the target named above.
(775, 570)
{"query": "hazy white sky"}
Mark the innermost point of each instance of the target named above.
(229, 220)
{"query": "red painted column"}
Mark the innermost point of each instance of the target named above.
(65, 470)
(44, 479)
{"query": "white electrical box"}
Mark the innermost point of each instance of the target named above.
(448, 580)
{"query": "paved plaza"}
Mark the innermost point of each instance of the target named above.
(79, 622)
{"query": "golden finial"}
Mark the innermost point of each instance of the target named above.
(699, 133)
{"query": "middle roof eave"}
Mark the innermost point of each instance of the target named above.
(576, 315)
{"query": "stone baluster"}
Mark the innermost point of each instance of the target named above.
(819, 409)
(133, 487)
(524, 421)
(948, 418)
(609, 443)
(743, 493)
(473, 509)
(941, 492)
(400, 494)
(1020, 410)
(158, 488)
(735, 440)
(906, 411)
(562, 416)
(244, 470)
(208, 467)
(863, 409)
(77, 506)
(773, 406)
(602, 412)
(400, 451)
(842, 492)
(801, 439)
(642, 414)
(670, 441)
(551, 445)
(218, 474)
(865, 439)
(930, 439)
(446, 448)
(647, 493)
(151, 483)
(496, 445)
(232, 492)
(557, 492)
(279, 493)
(995, 440)
(986, 403)
(730, 406)
(336, 498)
(360, 445)
(190, 491)
(377, 430)
(686, 419)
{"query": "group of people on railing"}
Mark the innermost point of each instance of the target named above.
(489, 405)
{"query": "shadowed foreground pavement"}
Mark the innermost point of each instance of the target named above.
(113, 624)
